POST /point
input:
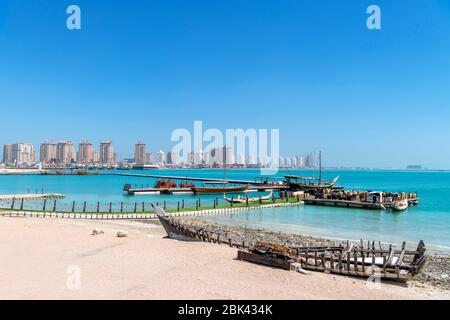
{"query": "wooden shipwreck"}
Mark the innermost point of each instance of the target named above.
(364, 259)
(350, 260)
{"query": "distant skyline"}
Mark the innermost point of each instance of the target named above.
(140, 69)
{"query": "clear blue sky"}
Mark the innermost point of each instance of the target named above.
(139, 69)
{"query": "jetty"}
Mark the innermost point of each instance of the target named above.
(32, 196)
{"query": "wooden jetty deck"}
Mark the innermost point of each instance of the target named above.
(32, 196)
(187, 178)
(149, 190)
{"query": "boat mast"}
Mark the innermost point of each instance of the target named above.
(224, 162)
(320, 167)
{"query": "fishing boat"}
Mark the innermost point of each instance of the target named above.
(240, 199)
(218, 188)
(302, 183)
(308, 183)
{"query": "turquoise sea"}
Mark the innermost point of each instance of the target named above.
(430, 221)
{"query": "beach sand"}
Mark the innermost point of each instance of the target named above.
(41, 258)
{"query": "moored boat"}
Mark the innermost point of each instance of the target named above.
(219, 188)
(241, 199)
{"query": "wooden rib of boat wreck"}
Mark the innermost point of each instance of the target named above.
(349, 259)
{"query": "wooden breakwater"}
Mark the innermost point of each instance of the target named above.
(32, 196)
(140, 215)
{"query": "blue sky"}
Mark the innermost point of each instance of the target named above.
(140, 69)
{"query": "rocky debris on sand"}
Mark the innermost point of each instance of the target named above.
(436, 272)
(122, 234)
(97, 232)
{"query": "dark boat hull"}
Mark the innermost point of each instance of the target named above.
(220, 190)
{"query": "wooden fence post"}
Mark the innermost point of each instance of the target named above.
(12, 203)
(135, 207)
(231, 203)
(73, 206)
(110, 207)
(164, 206)
(84, 207)
(121, 206)
(182, 203)
(54, 206)
(21, 205)
(45, 203)
(98, 206)
(178, 206)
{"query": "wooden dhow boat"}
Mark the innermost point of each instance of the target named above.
(240, 199)
(219, 188)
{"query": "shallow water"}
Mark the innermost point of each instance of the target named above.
(430, 221)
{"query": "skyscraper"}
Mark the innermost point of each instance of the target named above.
(48, 151)
(107, 155)
(65, 152)
(140, 153)
(161, 157)
(85, 154)
(23, 154)
(171, 158)
(8, 154)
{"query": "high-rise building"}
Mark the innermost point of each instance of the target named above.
(149, 158)
(23, 154)
(107, 155)
(171, 158)
(221, 155)
(48, 152)
(65, 152)
(161, 157)
(310, 161)
(300, 162)
(140, 153)
(8, 158)
(85, 154)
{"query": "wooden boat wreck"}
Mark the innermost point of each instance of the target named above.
(350, 259)
(240, 199)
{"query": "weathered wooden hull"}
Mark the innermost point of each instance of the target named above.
(219, 190)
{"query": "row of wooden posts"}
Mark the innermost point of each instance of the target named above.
(138, 207)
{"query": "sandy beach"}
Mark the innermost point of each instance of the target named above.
(60, 259)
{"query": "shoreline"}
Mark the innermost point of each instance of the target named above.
(436, 271)
(143, 265)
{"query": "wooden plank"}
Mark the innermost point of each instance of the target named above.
(267, 261)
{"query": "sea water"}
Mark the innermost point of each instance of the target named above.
(429, 221)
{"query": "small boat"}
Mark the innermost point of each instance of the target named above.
(86, 173)
(400, 205)
(240, 199)
(218, 188)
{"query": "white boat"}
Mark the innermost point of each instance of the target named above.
(240, 199)
(400, 205)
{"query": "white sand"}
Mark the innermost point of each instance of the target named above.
(36, 254)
